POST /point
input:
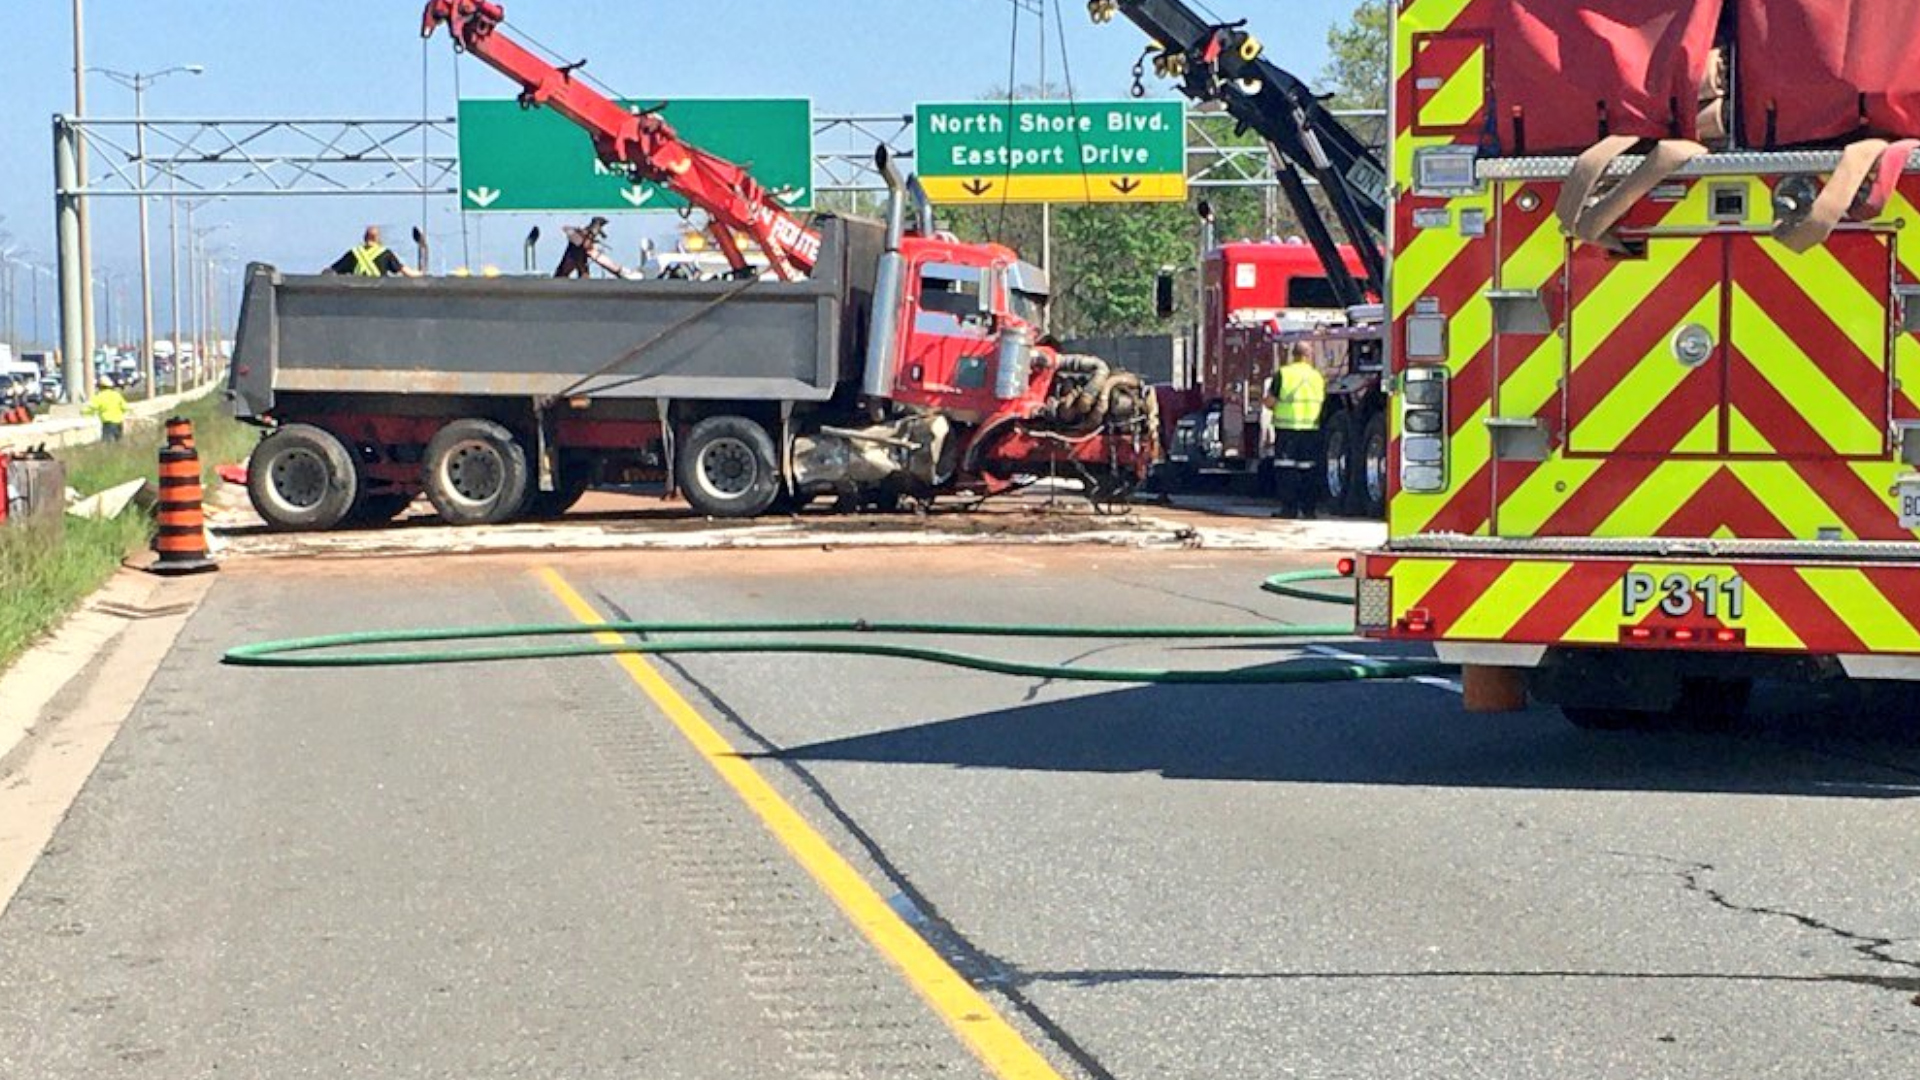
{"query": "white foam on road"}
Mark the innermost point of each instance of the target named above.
(232, 537)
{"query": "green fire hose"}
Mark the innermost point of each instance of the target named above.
(327, 651)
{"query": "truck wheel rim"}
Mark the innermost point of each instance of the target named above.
(1337, 466)
(298, 478)
(1377, 471)
(728, 468)
(473, 472)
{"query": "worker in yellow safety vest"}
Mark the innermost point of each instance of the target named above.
(110, 405)
(371, 259)
(1295, 395)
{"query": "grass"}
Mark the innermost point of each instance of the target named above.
(44, 574)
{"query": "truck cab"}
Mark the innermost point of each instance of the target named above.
(1259, 297)
(966, 327)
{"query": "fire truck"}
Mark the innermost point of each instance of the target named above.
(1260, 298)
(1654, 321)
(838, 356)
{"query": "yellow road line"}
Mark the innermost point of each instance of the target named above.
(994, 1041)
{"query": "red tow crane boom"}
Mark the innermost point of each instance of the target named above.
(639, 144)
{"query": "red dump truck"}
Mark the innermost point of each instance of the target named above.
(851, 358)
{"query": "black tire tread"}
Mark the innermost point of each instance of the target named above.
(343, 487)
(506, 505)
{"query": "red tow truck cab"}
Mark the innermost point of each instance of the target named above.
(1258, 297)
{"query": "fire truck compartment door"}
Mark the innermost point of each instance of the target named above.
(1807, 371)
(1645, 349)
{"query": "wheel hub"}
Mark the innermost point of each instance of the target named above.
(299, 478)
(727, 467)
(474, 471)
(1337, 468)
(1376, 472)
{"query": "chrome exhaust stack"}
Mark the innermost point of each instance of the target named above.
(889, 287)
(923, 204)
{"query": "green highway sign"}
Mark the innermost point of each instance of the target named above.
(1052, 151)
(514, 159)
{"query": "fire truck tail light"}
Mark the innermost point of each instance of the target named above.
(1683, 635)
(1344, 567)
(1422, 450)
(1423, 423)
(1426, 393)
(1373, 603)
(1422, 478)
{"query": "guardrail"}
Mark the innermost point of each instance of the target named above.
(58, 431)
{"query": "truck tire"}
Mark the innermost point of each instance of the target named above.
(1706, 704)
(569, 488)
(728, 468)
(378, 507)
(475, 473)
(301, 477)
(1372, 488)
(1342, 458)
(1171, 478)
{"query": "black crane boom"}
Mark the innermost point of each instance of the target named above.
(1224, 63)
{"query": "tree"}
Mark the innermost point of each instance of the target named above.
(1356, 73)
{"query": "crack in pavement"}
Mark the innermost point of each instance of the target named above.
(1869, 947)
(1101, 977)
(1263, 616)
(1041, 684)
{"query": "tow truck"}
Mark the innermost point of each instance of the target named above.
(868, 361)
(1262, 297)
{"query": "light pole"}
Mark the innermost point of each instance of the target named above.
(202, 296)
(9, 285)
(138, 83)
(34, 270)
(82, 212)
(174, 261)
(104, 279)
(216, 309)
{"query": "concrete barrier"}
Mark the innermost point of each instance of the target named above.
(65, 426)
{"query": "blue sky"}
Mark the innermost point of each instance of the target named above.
(363, 58)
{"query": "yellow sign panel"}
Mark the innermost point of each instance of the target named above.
(1165, 187)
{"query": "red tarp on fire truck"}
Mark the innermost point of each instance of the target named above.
(1565, 76)
(1825, 70)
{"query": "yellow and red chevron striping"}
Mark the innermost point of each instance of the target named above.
(1784, 605)
(1782, 432)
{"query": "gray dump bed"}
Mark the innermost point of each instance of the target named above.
(534, 337)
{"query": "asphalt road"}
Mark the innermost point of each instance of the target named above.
(530, 871)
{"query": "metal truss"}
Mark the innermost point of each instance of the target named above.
(1218, 156)
(843, 149)
(284, 157)
(268, 157)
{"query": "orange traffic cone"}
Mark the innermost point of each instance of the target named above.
(180, 433)
(182, 539)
